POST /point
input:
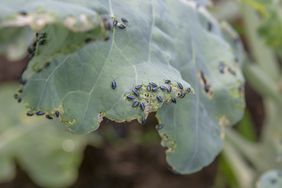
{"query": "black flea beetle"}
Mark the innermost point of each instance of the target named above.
(124, 20)
(57, 114)
(135, 104)
(155, 89)
(163, 88)
(142, 106)
(173, 100)
(160, 99)
(40, 113)
(114, 84)
(167, 81)
(153, 84)
(130, 97)
(180, 86)
(49, 117)
(169, 89)
(138, 87)
(29, 114)
(135, 92)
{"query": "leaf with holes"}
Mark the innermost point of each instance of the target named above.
(51, 156)
(153, 60)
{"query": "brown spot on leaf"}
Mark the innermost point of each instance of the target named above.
(231, 71)
(207, 86)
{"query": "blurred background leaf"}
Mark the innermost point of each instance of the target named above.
(270, 179)
(50, 155)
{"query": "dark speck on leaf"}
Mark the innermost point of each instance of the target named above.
(49, 117)
(153, 84)
(135, 104)
(210, 26)
(42, 42)
(167, 81)
(124, 20)
(221, 67)
(142, 106)
(40, 113)
(30, 50)
(155, 89)
(29, 114)
(138, 87)
(189, 90)
(173, 100)
(180, 86)
(163, 88)
(57, 114)
(22, 82)
(207, 88)
(203, 78)
(19, 100)
(169, 89)
(130, 97)
(135, 92)
(231, 71)
(88, 40)
(114, 84)
(182, 95)
(273, 181)
(160, 99)
(23, 13)
(47, 64)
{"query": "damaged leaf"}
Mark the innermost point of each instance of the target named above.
(155, 62)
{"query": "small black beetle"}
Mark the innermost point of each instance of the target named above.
(114, 84)
(160, 99)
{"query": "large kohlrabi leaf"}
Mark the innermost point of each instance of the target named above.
(51, 156)
(71, 24)
(164, 40)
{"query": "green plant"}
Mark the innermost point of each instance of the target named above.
(49, 154)
(259, 161)
(85, 62)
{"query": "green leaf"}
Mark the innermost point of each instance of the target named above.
(271, 23)
(68, 24)
(156, 45)
(270, 179)
(51, 156)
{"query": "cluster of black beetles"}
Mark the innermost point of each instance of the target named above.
(41, 39)
(167, 88)
(38, 113)
(41, 113)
